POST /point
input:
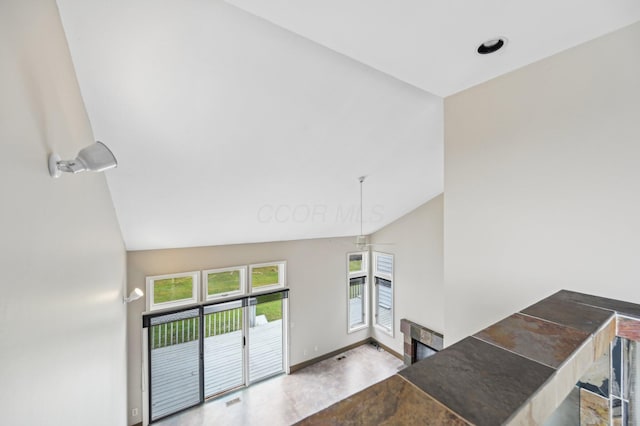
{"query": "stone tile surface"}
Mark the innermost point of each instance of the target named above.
(571, 371)
(629, 328)
(597, 378)
(544, 403)
(594, 409)
(476, 380)
(404, 326)
(569, 313)
(391, 402)
(438, 342)
(426, 338)
(522, 417)
(627, 308)
(603, 338)
(415, 333)
(536, 339)
(567, 413)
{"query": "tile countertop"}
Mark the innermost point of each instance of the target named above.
(476, 380)
(515, 372)
(393, 401)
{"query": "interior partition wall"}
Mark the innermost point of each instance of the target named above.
(207, 350)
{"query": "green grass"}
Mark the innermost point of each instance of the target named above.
(171, 289)
(355, 262)
(272, 310)
(223, 282)
(264, 275)
(355, 265)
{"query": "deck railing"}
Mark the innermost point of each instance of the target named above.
(222, 322)
(356, 288)
(187, 330)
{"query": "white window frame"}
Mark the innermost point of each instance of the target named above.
(282, 275)
(364, 272)
(195, 276)
(205, 283)
(386, 276)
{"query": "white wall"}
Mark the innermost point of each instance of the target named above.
(62, 333)
(316, 275)
(416, 240)
(542, 184)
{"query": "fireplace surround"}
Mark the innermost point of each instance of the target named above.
(415, 333)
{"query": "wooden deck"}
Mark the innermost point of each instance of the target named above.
(384, 317)
(175, 382)
(355, 313)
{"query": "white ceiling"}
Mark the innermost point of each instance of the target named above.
(229, 129)
(431, 44)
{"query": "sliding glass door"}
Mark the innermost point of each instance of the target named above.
(174, 360)
(223, 347)
(203, 352)
(266, 351)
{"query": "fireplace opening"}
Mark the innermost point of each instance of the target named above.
(421, 351)
(419, 342)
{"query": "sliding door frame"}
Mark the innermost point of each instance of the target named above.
(245, 299)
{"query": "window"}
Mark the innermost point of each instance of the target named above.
(169, 291)
(383, 293)
(357, 291)
(267, 276)
(358, 262)
(231, 334)
(219, 283)
(174, 290)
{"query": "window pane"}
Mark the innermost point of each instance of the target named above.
(223, 349)
(265, 275)
(384, 264)
(174, 341)
(223, 282)
(357, 301)
(265, 337)
(172, 289)
(384, 297)
(355, 263)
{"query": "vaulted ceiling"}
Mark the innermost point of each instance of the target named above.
(251, 120)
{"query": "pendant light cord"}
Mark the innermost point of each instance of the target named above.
(361, 179)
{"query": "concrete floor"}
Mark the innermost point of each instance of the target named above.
(286, 399)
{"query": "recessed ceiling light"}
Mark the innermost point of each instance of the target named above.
(491, 46)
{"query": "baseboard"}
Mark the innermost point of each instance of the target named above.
(370, 340)
(387, 349)
(331, 354)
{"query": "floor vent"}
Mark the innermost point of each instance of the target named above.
(233, 401)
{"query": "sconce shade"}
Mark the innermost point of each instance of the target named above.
(135, 294)
(94, 158)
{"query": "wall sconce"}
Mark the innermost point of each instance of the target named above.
(94, 158)
(135, 294)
